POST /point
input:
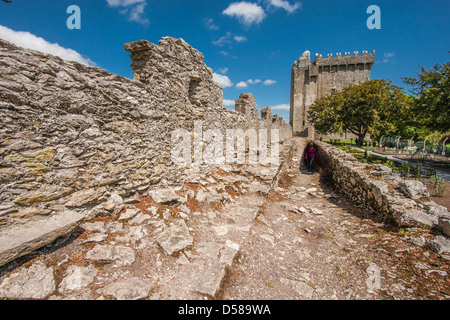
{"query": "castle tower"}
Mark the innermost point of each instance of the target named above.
(312, 80)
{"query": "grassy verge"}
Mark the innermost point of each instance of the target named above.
(365, 157)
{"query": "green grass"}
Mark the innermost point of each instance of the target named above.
(370, 158)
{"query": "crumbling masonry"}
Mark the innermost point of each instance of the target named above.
(71, 135)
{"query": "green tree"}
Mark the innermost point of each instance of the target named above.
(431, 90)
(374, 107)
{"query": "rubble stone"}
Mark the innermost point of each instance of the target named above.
(130, 289)
(120, 256)
(175, 238)
(35, 282)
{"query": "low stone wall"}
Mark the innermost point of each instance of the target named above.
(405, 203)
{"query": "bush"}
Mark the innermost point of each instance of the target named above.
(390, 164)
(439, 186)
(404, 170)
(429, 169)
(417, 170)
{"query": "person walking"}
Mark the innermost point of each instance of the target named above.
(310, 156)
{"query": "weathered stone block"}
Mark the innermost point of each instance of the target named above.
(416, 218)
(444, 225)
(209, 282)
(165, 196)
(120, 256)
(44, 194)
(35, 282)
(414, 189)
(440, 245)
(130, 289)
(20, 240)
(78, 278)
(175, 238)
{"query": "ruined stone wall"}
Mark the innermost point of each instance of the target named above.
(312, 80)
(284, 129)
(174, 71)
(71, 135)
(405, 203)
(246, 104)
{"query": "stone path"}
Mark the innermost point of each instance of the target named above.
(248, 232)
(309, 243)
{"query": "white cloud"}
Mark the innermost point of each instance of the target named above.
(228, 103)
(135, 8)
(123, 3)
(209, 23)
(240, 38)
(242, 85)
(388, 56)
(30, 41)
(228, 39)
(284, 107)
(251, 81)
(286, 5)
(224, 81)
(269, 82)
(223, 70)
(247, 13)
(137, 12)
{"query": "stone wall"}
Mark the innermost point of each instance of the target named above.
(72, 135)
(246, 104)
(405, 203)
(174, 71)
(276, 121)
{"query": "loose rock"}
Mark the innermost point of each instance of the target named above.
(78, 278)
(35, 282)
(175, 238)
(131, 289)
(120, 256)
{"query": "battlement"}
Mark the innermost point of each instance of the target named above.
(339, 59)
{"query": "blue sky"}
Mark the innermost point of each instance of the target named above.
(250, 45)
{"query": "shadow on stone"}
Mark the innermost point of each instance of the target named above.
(45, 250)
